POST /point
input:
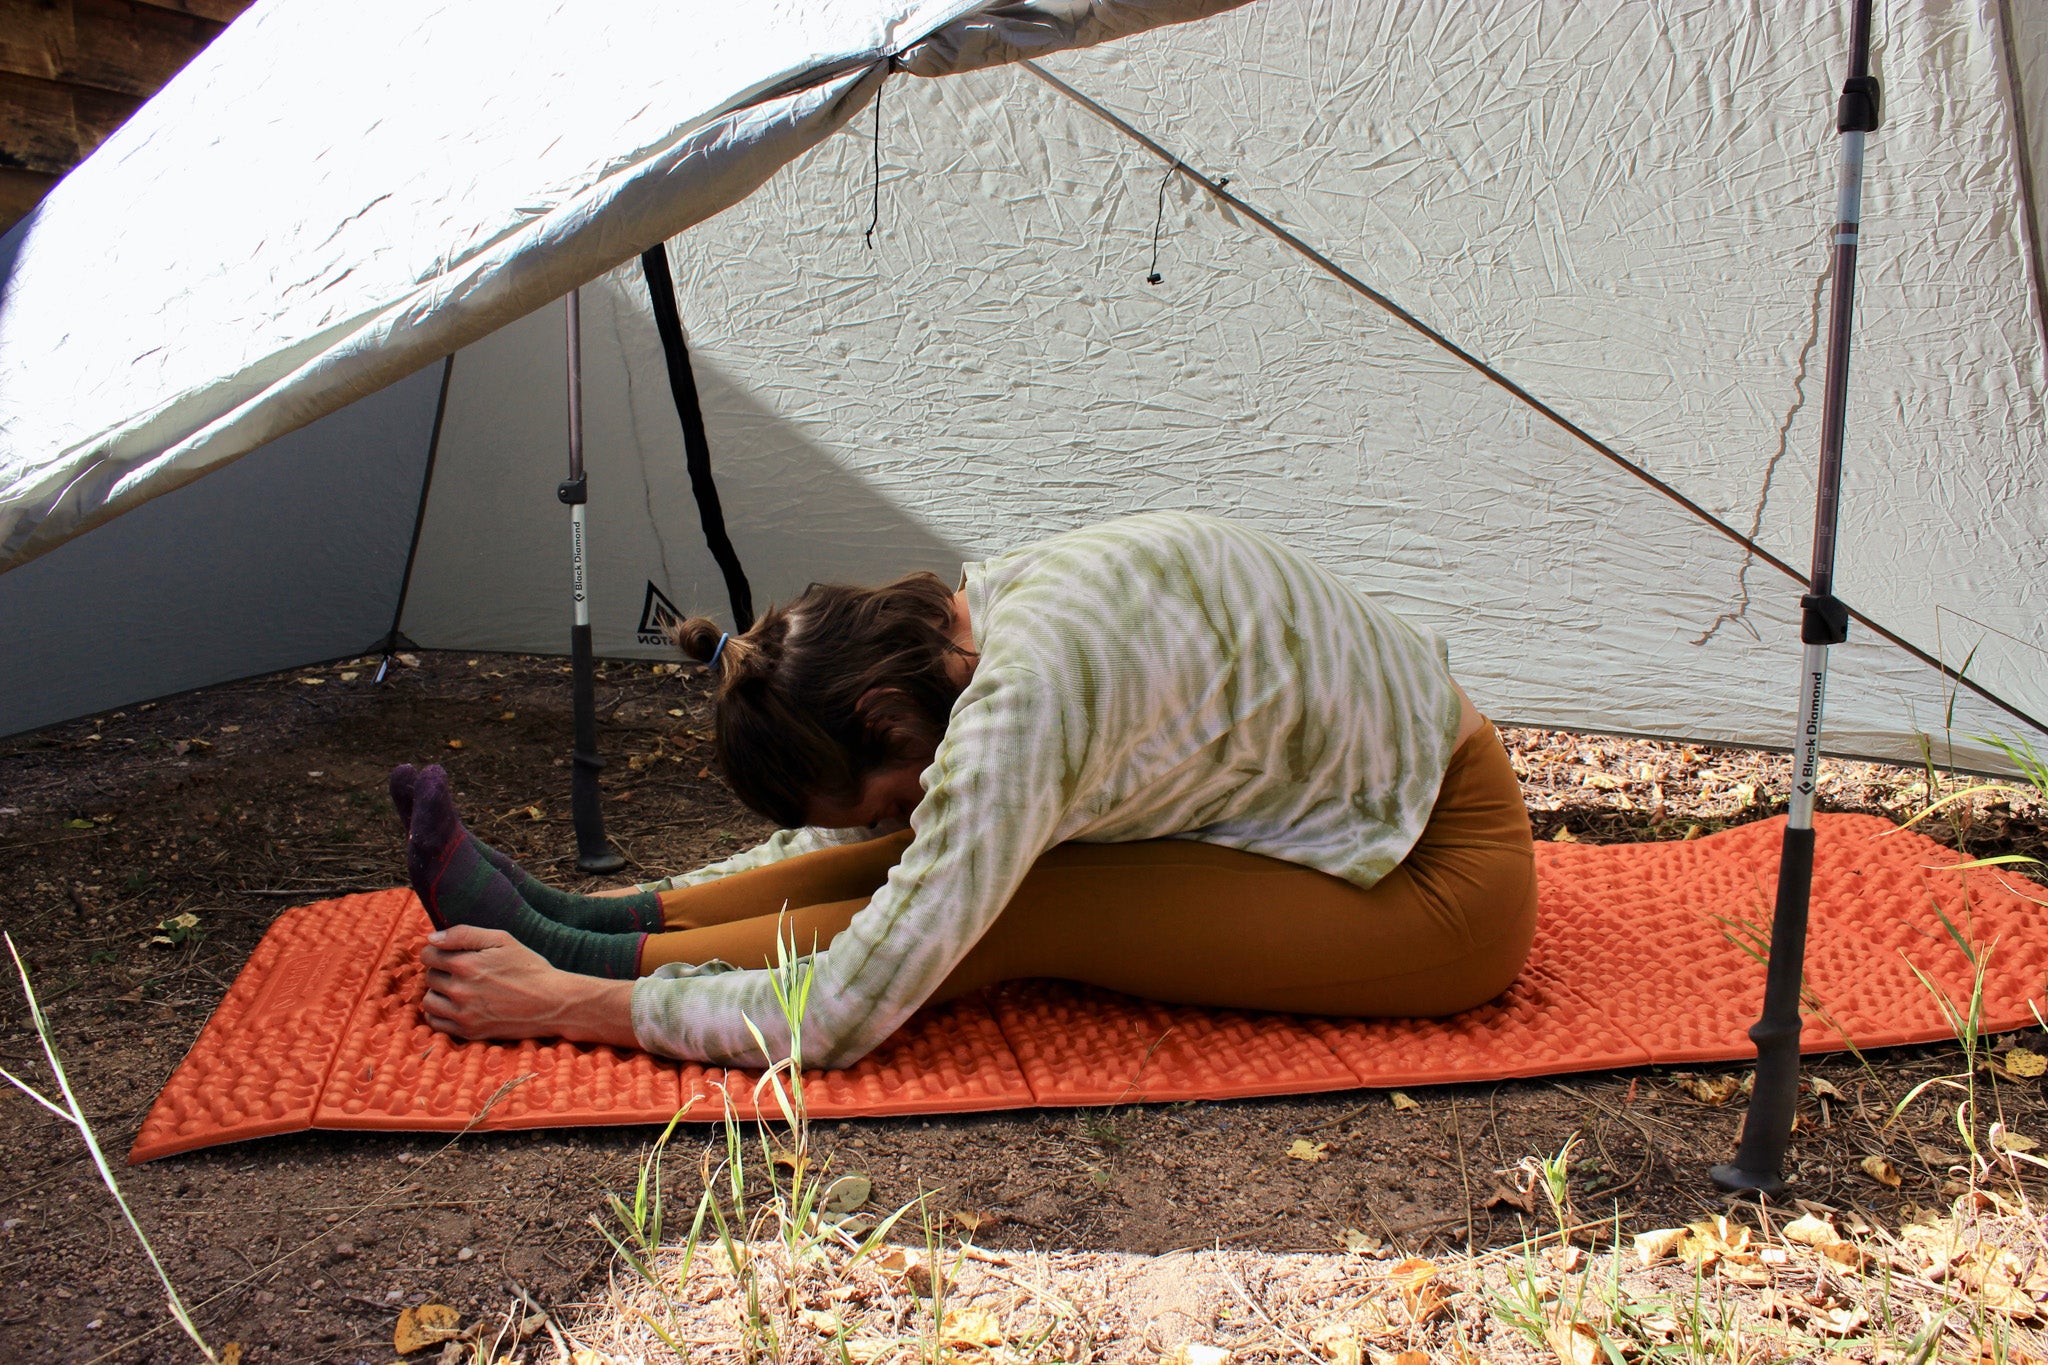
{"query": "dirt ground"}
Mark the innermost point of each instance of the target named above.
(233, 803)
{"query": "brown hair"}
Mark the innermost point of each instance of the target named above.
(840, 683)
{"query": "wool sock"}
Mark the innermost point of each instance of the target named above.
(458, 885)
(639, 913)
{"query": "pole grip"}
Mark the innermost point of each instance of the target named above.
(1767, 1128)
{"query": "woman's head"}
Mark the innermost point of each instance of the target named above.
(827, 703)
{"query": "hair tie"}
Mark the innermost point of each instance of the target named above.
(717, 650)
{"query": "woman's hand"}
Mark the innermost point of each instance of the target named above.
(483, 983)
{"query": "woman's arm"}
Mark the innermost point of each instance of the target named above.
(483, 983)
(784, 843)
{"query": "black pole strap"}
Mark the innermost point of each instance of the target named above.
(419, 520)
(682, 382)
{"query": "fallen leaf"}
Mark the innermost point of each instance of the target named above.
(1844, 1254)
(350, 676)
(1421, 1293)
(534, 813)
(847, 1193)
(1808, 1230)
(1660, 1245)
(825, 1324)
(1410, 1358)
(409, 660)
(2007, 1141)
(231, 1354)
(677, 712)
(1882, 1171)
(2020, 1062)
(970, 1327)
(1825, 1088)
(509, 715)
(455, 744)
(1197, 1353)
(1339, 1343)
(1567, 1259)
(1600, 781)
(1564, 836)
(1402, 1102)
(907, 1269)
(1525, 1200)
(1711, 1090)
(1839, 1321)
(1361, 1243)
(1304, 1150)
(314, 682)
(425, 1325)
(1574, 1343)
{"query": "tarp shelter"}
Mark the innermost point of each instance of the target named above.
(1508, 312)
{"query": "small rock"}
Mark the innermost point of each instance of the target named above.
(467, 1253)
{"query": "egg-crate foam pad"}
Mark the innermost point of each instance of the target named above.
(1645, 954)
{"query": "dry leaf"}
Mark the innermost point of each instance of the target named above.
(231, 1354)
(1363, 1243)
(824, 1324)
(970, 1327)
(1402, 1102)
(2006, 1141)
(424, 1326)
(2020, 1062)
(1525, 1200)
(314, 682)
(1566, 1259)
(1711, 1090)
(1410, 1358)
(1825, 1088)
(509, 715)
(455, 744)
(1339, 1343)
(1844, 1254)
(1304, 1150)
(1882, 1171)
(1421, 1292)
(1808, 1230)
(847, 1193)
(1574, 1343)
(1197, 1353)
(1564, 836)
(1660, 1245)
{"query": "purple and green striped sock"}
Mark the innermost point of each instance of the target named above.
(639, 913)
(458, 885)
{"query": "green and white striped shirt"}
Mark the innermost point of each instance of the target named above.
(1166, 675)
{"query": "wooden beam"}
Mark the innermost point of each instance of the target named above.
(48, 128)
(118, 45)
(20, 191)
(220, 11)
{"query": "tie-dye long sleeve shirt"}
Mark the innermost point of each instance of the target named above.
(1165, 675)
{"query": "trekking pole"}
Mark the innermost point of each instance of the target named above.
(594, 853)
(1824, 620)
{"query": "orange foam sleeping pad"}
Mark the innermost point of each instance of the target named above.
(1637, 961)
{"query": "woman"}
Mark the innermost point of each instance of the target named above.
(1165, 755)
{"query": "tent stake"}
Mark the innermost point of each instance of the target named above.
(594, 853)
(1824, 620)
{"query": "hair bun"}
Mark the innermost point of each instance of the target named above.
(697, 637)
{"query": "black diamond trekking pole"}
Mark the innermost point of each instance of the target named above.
(594, 853)
(1767, 1128)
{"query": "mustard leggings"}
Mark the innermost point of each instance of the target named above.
(1191, 923)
